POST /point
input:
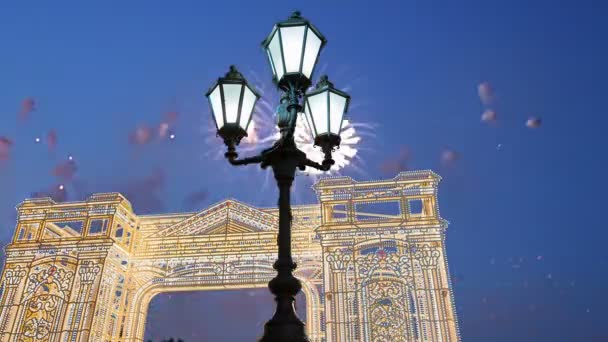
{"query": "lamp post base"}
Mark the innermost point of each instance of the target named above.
(284, 332)
(284, 326)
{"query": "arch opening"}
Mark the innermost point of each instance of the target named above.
(212, 315)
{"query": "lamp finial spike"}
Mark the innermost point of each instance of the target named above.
(324, 82)
(233, 73)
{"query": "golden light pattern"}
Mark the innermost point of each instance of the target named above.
(370, 256)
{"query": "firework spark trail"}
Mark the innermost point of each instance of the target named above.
(263, 131)
(351, 134)
(51, 139)
(485, 92)
(28, 105)
(5, 147)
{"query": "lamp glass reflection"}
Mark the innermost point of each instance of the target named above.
(293, 48)
(337, 105)
(232, 101)
(316, 107)
(215, 100)
(311, 52)
(232, 96)
(324, 108)
(293, 42)
(276, 56)
(249, 100)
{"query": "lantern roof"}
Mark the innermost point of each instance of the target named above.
(232, 76)
(295, 19)
(325, 84)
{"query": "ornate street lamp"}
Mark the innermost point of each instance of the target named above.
(324, 110)
(232, 101)
(292, 48)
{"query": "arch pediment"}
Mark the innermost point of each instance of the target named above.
(226, 217)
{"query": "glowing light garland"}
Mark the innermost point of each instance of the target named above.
(88, 270)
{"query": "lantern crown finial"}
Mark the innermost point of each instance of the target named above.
(324, 82)
(234, 74)
(296, 15)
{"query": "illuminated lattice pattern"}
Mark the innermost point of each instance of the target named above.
(371, 259)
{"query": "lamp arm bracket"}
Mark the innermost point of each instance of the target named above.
(322, 167)
(250, 160)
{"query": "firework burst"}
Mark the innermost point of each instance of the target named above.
(343, 156)
(262, 132)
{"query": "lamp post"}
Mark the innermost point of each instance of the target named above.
(293, 48)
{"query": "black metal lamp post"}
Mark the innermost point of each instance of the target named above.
(292, 47)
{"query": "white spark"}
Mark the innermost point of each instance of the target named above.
(263, 132)
(342, 155)
(252, 133)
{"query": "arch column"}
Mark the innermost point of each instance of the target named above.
(80, 308)
(101, 317)
(338, 321)
(13, 287)
(427, 258)
(438, 292)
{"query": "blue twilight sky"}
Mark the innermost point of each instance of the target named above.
(97, 70)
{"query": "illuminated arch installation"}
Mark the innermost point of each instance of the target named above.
(370, 256)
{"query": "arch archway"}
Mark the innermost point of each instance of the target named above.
(337, 244)
(188, 281)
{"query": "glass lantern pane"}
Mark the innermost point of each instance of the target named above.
(274, 48)
(309, 125)
(313, 44)
(337, 105)
(247, 108)
(232, 95)
(274, 70)
(318, 111)
(215, 100)
(293, 42)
